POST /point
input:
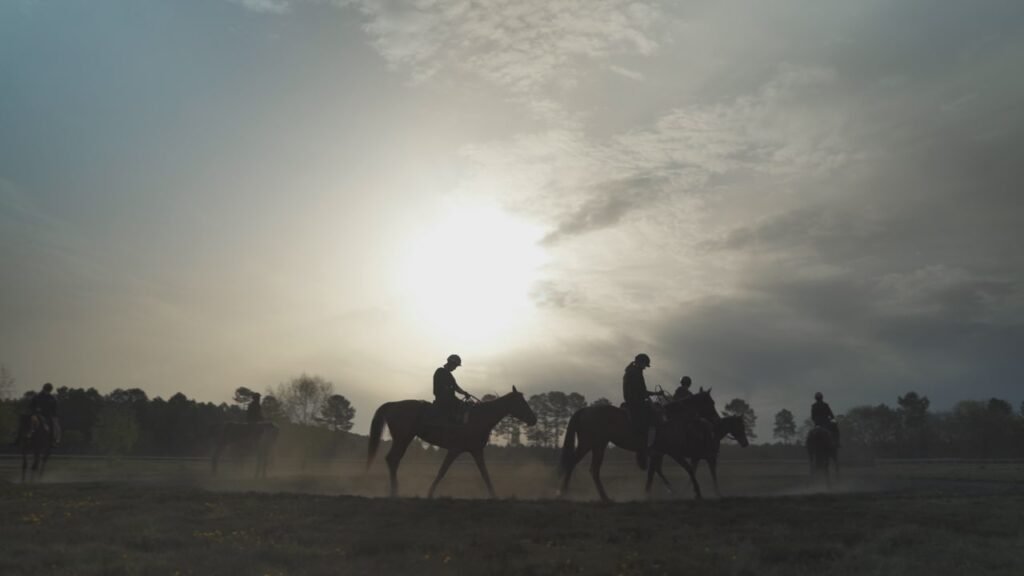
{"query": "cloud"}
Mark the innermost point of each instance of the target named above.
(265, 6)
(523, 46)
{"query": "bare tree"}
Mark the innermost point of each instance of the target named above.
(6, 382)
(303, 398)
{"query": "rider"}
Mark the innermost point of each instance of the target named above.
(638, 404)
(44, 405)
(821, 415)
(253, 414)
(683, 392)
(445, 388)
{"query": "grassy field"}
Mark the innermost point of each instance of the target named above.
(907, 520)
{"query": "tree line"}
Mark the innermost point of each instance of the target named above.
(128, 421)
(316, 421)
(970, 429)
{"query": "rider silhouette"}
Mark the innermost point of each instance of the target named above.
(821, 415)
(253, 414)
(445, 388)
(683, 392)
(44, 406)
(638, 405)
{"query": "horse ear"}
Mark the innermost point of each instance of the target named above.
(514, 389)
(709, 390)
(700, 390)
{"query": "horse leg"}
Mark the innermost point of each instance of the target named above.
(216, 457)
(24, 465)
(478, 457)
(713, 464)
(394, 457)
(595, 470)
(693, 478)
(448, 459)
(581, 451)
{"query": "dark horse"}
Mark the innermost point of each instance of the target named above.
(821, 448)
(703, 445)
(408, 419)
(35, 436)
(257, 437)
(596, 426)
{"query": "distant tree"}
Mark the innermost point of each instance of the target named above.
(338, 413)
(914, 437)
(273, 410)
(303, 398)
(540, 434)
(785, 426)
(739, 407)
(913, 409)
(6, 382)
(116, 429)
(874, 427)
(509, 430)
(243, 396)
(601, 402)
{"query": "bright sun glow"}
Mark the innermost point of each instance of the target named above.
(468, 277)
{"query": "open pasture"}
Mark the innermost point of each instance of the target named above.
(169, 517)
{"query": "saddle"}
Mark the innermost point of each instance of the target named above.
(443, 416)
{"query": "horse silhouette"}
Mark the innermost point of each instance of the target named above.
(257, 437)
(596, 426)
(701, 445)
(822, 449)
(35, 436)
(408, 419)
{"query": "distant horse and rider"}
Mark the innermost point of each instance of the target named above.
(256, 436)
(38, 432)
(446, 424)
(823, 440)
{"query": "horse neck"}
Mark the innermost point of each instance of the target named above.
(722, 426)
(490, 413)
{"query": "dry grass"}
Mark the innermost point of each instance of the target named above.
(145, 527)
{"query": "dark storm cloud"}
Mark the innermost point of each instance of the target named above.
(607, 207)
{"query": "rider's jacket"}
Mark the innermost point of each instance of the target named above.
(681, 394)
(821, 414)
(634, 389)
(45, 405)
(444, 386)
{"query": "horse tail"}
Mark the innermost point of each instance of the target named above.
(376, 430)
(569, 445)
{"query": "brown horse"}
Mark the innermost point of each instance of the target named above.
(597, 426)
(700, 446)
(35, 436)
(821, 449)
(408, 419)
(257, 437)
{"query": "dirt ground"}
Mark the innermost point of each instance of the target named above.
(168, 517)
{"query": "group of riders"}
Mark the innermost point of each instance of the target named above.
(644, 414)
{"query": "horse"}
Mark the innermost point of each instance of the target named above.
(408, 419)
(259, 437)
(701, 449)
(596, 426)
(821, 448)
(35, 436)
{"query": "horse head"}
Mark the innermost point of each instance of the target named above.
(735, 427)
(704, 404)
(520, 408)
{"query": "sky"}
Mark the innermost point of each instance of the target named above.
(775, 198)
